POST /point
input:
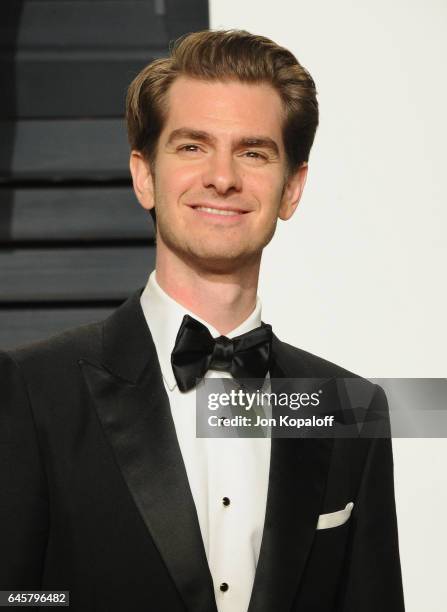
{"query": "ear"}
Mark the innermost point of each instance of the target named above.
(293, 190)
(143, 185)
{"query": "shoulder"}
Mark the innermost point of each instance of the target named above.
(57, 352)
(371, 413)
(54, 362)
(298, 362)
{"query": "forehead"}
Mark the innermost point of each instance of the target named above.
(224, 108)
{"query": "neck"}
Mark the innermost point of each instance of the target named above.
(223, 299)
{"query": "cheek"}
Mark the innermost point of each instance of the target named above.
(268, 193)
(178, 179)
(268, 178)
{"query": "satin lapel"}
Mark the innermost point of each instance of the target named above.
(297, 480)
(134, 411)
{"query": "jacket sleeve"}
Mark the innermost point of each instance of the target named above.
(372, 577)
(23, 486)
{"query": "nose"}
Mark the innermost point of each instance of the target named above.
(221, 173)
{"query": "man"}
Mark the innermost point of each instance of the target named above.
(106, 490)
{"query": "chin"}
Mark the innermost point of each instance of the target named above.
(222, 262)
(213, 256)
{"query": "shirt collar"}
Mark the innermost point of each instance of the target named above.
(164, 316)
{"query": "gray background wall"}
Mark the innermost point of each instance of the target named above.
(74, 243)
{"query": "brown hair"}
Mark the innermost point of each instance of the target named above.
(218, 56)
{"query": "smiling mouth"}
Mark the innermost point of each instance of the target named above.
(219, 211)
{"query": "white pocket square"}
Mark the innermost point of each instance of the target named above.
(334, 519)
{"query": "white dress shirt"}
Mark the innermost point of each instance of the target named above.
(217, 468)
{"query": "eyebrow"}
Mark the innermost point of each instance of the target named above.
(264, 142)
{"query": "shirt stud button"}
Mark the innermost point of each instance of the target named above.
(226, 501)
(224, 587)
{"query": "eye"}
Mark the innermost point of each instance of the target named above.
(189, 148)
(255, 155)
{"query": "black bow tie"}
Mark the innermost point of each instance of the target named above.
(196, 351)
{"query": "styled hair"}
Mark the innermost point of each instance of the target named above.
(224, 55)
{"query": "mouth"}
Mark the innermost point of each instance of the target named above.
(218, 211)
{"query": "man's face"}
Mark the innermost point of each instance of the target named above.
(220, 177)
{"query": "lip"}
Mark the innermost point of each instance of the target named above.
(238, 212)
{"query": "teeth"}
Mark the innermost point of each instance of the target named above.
(216, 211)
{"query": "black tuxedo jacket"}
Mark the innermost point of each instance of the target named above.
(94, 496)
